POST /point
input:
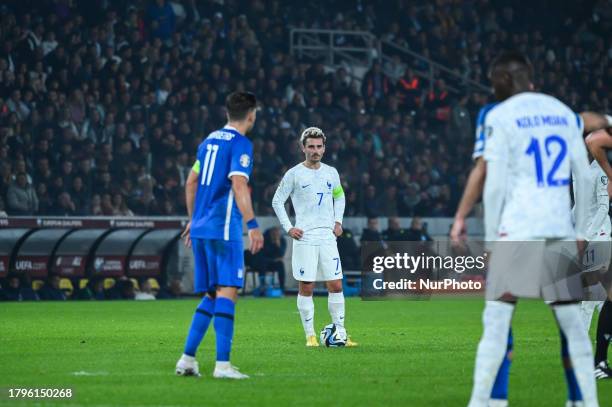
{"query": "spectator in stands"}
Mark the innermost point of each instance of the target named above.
(375, 84)
(21, 197)
(145, 81)
(120, 207)
(162, 19)
(172, 291)
(417, 231)
(274, 250)
(11, 290)
(348, 250)
(372, 232)
(3, 213)
(409, 90)
(438, 101)
(51, 290)
(94, 290)
(17, 289)
(64, 205)
(126, 289)
(27, 292)
(145, 292)
(394, 232)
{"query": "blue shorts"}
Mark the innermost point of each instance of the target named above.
(217, 263)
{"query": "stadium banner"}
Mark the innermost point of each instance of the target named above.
(108, 266)
(92, 222)
(34, 266)
(553, 270)
(69, 266)
(144, 266)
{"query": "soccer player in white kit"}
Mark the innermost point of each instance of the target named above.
(533, 143)
(597, 259)
(599, 227)
(318, 201)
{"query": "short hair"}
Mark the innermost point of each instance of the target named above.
(312, 132)
(239, 104)
(513, 62)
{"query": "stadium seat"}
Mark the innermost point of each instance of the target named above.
(37, 284)
(66, 285)
(136, 285)
(154, 284)
(109, 283)
(83, 283)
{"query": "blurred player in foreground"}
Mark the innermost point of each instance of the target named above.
(218, 198)
(533, 141)
(472, 193)
(599, 255)
(318, 200)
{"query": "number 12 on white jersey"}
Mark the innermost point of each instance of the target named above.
(535, 150)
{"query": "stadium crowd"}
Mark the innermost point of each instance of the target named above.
(103, 104)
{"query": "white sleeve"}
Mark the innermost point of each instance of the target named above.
(580, 169)
(284, 190)
(339, 199)
(496, 155)
(603, 206)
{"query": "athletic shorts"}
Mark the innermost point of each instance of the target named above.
(217, 263)
(316, 263)
(546, 269)
(597, 255)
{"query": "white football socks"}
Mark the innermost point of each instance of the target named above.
(496, 319)
(335, 305)
(306, 307)
(587, 308)
(579, 347)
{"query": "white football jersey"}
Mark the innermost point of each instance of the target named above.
(599, 226)
(537, 141)
(317, 198)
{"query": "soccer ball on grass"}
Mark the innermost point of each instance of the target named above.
(333, 336)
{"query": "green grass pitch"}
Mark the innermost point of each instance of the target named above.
(411, 353)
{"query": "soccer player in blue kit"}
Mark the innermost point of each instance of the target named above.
(218, 198)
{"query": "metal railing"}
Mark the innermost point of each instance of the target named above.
(433, 70)
(337, 48)
(334, 46)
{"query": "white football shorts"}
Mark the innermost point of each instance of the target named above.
(316, 263)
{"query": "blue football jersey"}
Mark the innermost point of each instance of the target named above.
(223, 153)
(479, 144)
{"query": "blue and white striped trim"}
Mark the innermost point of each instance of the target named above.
(228, 215)
(244, 174)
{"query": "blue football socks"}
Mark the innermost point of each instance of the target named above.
(224, 327)
(500, 387)
(573, 390)
(199, 325)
